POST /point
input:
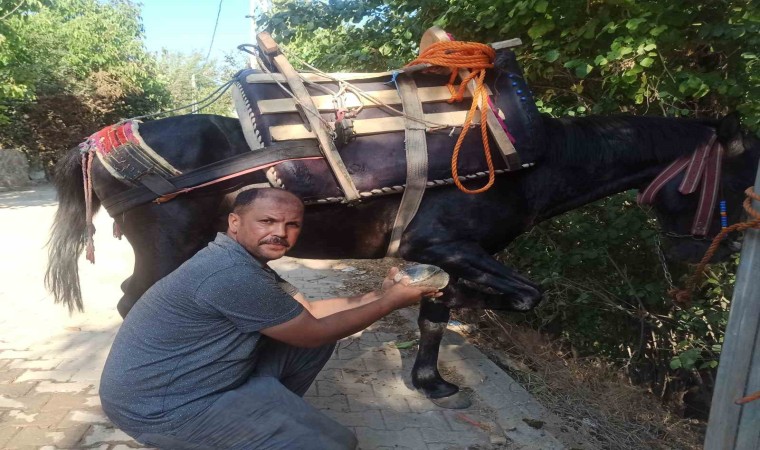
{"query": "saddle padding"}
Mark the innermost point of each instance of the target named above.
(379, 161)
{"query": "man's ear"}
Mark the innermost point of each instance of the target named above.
(233, 222)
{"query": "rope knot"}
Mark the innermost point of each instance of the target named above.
(476, 58)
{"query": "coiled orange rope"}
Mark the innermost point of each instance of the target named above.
(683, 296)
(476, 58)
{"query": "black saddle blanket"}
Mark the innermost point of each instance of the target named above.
(377, 162)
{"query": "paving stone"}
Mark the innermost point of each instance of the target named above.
(75, 386)
(38, 419)
(6, 433)
(35, 436)
(326, 388)
(457, 438)
(359, 404)
(370, 418)
(394, 388)
(353, 364)
(16, 354)
(428, 419)
(382, 336)
(334, 403)
(16, 389)
(382, 364)
(6, 402)
(406, 439)
(55, 375)
(331, 375)
(421, 404)
(65, 401)
(10, 375)
(37, 364)
(88, 375)
(462, 420)
(459, 352)
(126, 447)
(80, 416)
(105, 433)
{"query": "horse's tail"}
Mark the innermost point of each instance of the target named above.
(68, 233)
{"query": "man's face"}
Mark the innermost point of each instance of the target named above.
(268, 227)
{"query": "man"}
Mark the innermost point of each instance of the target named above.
(218, 354)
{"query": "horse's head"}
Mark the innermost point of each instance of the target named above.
(676, 212)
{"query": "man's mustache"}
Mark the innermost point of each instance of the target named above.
(275, 240)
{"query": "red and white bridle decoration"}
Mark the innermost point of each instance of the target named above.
(702, 166)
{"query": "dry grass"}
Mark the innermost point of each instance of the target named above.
(589, 393)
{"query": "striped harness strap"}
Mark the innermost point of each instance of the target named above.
(704, 167)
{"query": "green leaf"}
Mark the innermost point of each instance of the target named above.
(541, 6)
(634, 23)
(658, 30)
(405, 344)
(646, 62)
(540, 29)
(582, 70)
(552, 55)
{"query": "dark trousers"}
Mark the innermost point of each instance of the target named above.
(267, 412)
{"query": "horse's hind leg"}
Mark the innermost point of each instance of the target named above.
(163, 237)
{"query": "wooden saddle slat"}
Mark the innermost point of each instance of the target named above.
(311, 114)
(257, 78)
(324, 103)
(364, 127)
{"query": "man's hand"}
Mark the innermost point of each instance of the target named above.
(402, 294)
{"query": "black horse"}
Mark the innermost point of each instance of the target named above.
(583, 159)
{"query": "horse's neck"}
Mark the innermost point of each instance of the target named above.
(593, 158)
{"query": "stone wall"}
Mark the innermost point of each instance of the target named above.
(14, 169)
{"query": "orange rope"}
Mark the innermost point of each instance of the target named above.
(749, 398)
(683, 296)
(476, 58)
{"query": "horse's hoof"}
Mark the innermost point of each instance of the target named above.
(460, 400)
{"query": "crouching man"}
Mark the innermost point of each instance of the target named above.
(218, 354)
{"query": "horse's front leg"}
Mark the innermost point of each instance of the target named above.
(478, 281)
(433, 318)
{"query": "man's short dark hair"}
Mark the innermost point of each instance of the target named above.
(246, 198)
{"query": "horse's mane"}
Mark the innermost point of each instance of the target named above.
(622, 139)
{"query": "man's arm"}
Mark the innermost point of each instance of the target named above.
(329, 306)
(306, 330)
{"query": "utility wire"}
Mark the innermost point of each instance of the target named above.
(213, 35)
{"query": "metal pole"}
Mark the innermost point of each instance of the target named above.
(732, 426)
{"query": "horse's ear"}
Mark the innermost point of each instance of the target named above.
(730, 134)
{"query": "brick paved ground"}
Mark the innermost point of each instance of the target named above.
(50, 362)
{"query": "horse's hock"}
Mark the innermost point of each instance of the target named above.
(14, 169)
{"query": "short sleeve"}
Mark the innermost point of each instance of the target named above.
(249, 297)
(287, 287)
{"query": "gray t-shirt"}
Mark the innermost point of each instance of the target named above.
(191, 337)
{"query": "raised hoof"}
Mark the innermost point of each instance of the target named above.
(460, 400)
